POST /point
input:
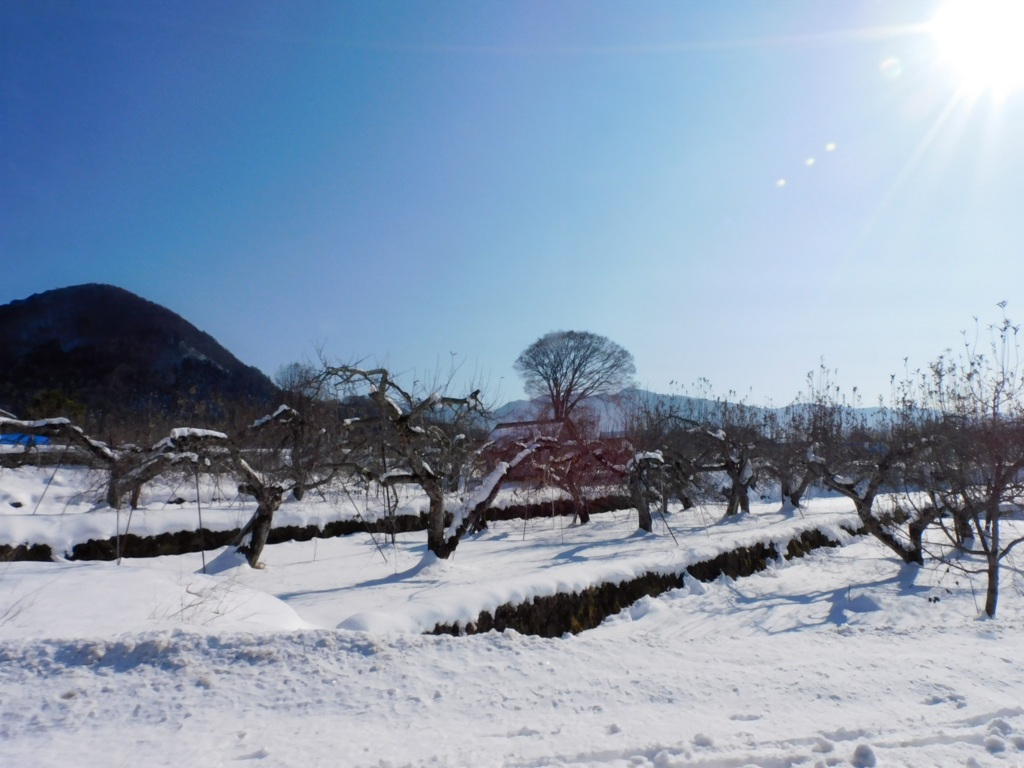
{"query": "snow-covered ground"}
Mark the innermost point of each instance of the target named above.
(840, 658)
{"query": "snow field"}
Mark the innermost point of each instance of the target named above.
(841, 658)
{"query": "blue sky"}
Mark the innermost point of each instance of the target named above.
(401, 181)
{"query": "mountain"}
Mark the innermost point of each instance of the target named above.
(104, 356)
(610, 412)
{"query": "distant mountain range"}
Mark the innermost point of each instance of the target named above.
(103, 355)
(612, 411)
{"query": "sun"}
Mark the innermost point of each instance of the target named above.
(982, 43)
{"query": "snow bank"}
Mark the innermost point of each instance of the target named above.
(104, 600)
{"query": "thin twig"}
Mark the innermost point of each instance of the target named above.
(60, 461)
(199, 509)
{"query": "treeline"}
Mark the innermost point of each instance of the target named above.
(945, 453)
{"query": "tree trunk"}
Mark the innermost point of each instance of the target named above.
(786, 491)
(795, 493)
(962, 527)
(738, 494)
(738, 500)
(912, 554)
(915, 532)
(582, 513)
(645, 522)
(114, 487)
(992, 591)
(435, 526)
(992, 555)
(637, 488)
(733, 502)
(268, 500)
(579, 503)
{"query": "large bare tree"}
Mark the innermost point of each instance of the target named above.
(566, 367)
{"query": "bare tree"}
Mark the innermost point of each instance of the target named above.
(580, 465)
(211, 451)
(733, 440)
(299, 382)
(215, 452)
(566, 367)
(419, 439)
(864, 455)
(645, 470)
(699, 441)
(977, 469)
(78, 448)
(787, 449)
(671, 452)
(198, 448)
(297, 447)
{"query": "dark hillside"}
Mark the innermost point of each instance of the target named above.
(116, 362)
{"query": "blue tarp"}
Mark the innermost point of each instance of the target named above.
(23, 440)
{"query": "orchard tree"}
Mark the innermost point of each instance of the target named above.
(645, 470)
(977, 472)
(210, 451)
(422, 438)
(579, 464)
(866, 456)
(671, 453)
(566, 367)
(734, 444)
(304, 431)
(699, 443)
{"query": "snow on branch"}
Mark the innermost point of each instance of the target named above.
(645, 457)
(181, 433)
(284, 413)
(182, 436)
(37, 424)
(483, 496)
(396, 476)
(58, 427)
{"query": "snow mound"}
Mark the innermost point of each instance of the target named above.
(75, 599)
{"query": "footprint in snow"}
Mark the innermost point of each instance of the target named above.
(524, 731)
(950, 698)
(259, 754)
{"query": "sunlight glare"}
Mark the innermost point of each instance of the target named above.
(982, 42)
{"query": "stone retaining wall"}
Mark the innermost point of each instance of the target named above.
(575, 612)
(182, 542)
